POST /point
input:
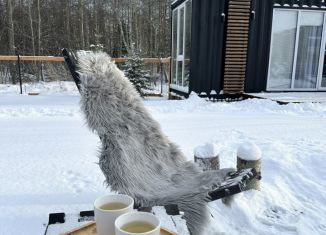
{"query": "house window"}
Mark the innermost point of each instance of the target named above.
(181, 44)
(297, 50)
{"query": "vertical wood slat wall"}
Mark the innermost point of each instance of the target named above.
(236, 46)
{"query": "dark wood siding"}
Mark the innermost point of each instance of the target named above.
(207, 45)
(259, 45)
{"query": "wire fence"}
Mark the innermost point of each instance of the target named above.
(30, 70)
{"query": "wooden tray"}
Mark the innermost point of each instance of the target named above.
(90, 229)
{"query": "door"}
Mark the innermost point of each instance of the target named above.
(181, 40)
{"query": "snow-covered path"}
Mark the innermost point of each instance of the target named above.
(48, 160)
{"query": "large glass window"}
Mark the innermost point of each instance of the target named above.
(181, 45)
(297, 37)
(282, 49)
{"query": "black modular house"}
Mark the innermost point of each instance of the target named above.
(248, 46)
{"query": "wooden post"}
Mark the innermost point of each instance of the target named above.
(19, 73)
(207, 157)
(249, 156)
(208, 163)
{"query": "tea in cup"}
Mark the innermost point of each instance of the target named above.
(140, 223)
(108, 208)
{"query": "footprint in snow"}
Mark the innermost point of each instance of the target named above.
(76, 181)
(281, 218)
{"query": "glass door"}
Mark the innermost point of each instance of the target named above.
(308, 51)
(282, 49)
(181, 45)
(296, 49)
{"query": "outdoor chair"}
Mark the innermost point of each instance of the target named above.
(234, 181)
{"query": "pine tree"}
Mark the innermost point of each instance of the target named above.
(135, 72)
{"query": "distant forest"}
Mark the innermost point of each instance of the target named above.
(43, 27)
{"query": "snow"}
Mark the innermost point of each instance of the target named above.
(249, 152)
(48, 159)
(299, 97)
(207, 150)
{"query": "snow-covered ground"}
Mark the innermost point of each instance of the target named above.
(48, 159)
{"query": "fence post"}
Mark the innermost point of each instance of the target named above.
(249, 156)
(207, 157)
(170, 76)
(19, 73)
(161, 68)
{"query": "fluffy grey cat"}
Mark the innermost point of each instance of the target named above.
(136, 157)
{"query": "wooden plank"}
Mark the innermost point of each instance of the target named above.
(234, 73)
(238, 31)
(33, 58)
(238, 23)
(234, 69)
(235, 66)
(234, 80)
(237, 39)
(241, 74)
(236, 48)
(42, 58)
(239, 3)
(230, 76)
(239, 9)
(242, 47)
(236, 27)
(231, 35)
(234, 53)
(236, 44)
(233, 6)
(237, 54)
(239, 18)
(243, 15)
(8, 57)
(241, 57)
(237, 83)
(235, 63)
(236, 59)
(234, 86)
(90, 229)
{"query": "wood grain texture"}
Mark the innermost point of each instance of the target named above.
(236, 46)
(90, 229)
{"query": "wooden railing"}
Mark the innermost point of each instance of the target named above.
(21, 58)
(61, 59)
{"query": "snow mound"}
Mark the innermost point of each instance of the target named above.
(195, 99)
(249, 151)
(207, 150)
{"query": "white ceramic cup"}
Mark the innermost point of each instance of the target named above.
(105, 218)
(137, 216)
